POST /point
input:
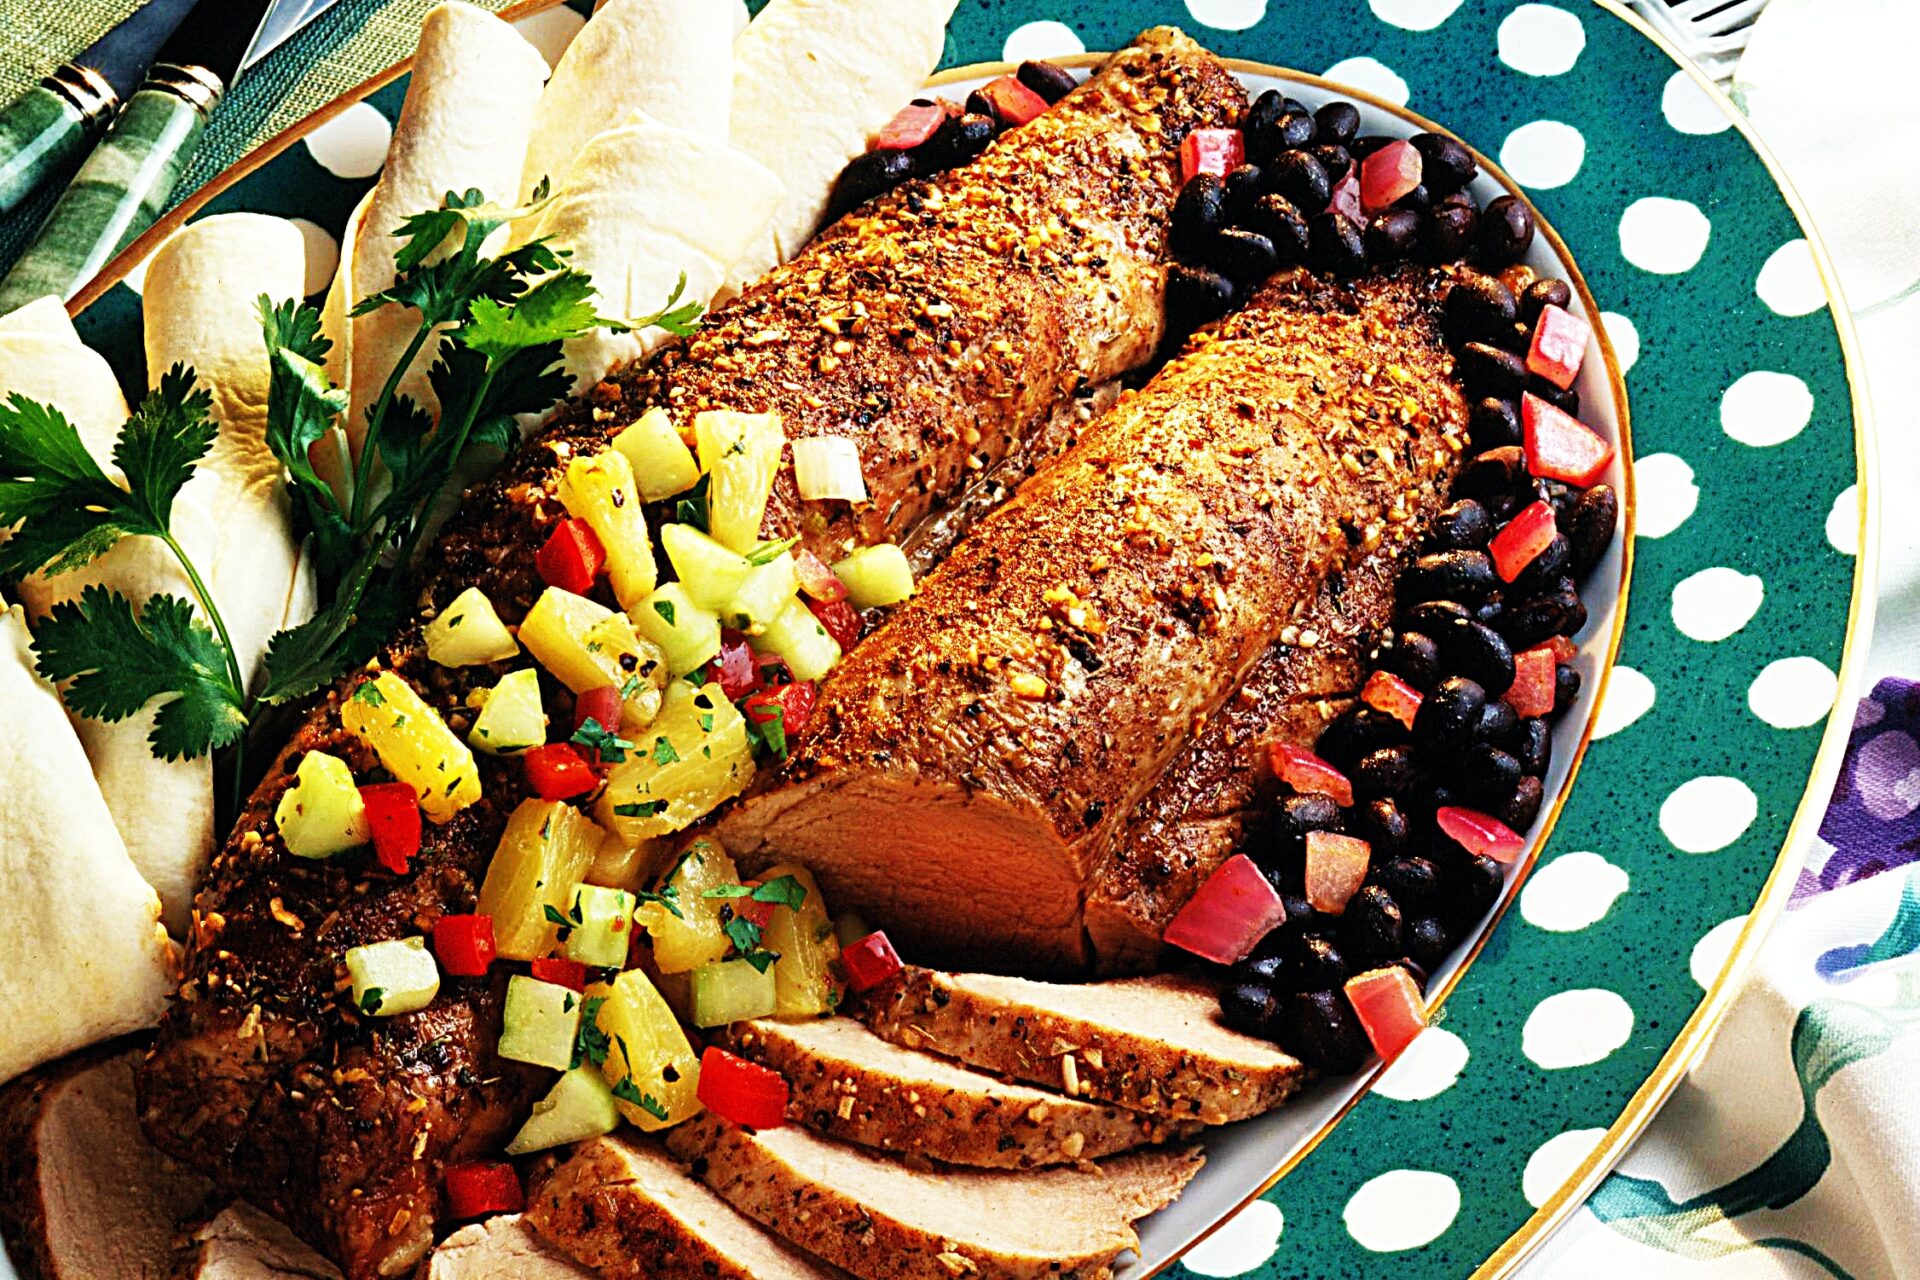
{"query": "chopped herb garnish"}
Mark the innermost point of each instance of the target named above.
(768, 552)
(627, 1091)
(591, 1045)
(371, 999)
(785, 891)
(696, 677)
(665, 609)
(610, 747)
(690, 508)
(769, 735)
(369, 693)
(663, 752)
(641, 809)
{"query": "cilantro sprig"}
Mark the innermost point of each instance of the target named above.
(784, 891)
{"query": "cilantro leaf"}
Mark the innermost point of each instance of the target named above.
(611, 747)
(66, 509)
(592, 1043)
(627, 1091)
(339, 637)
(669, 897)
(678, 318)
(165, 437)
(663, 752)
(745, 936)
(784, 890)
(558, 308)
(301, 409)
(665, 609)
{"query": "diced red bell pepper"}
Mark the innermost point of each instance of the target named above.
(1522, 540)
(1388, 174)
(1563, 649)
(1559, 345)
(734, 670)
(1481, 833)
(1533, 674)
(871, 961)
(1336, 868)
(1390, 1008)
(910, 126)
(1226, 919)
(572, 557)
(841, 620)
(1560, 447)
(741, 1091)
(794, 701)
(1215, 151)
(1388, 693)
(1346, 198)
(1012, 101)
(817, 578)
(602, 706)
(393, 816)
(464, 945)
(571, 974)
(483, 1188)
(558, 771)
(1306, 772)
(755, 912)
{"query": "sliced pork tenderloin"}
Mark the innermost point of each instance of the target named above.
(242, 1243)
(502, 1248)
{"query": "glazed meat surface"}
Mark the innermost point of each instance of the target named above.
(937, 327)
(973, 762)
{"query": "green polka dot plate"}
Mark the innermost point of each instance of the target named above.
(1705, 738)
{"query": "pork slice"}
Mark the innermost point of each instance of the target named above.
(502, 1248)
(1151, 1044)
(624, 1207)
(882, 1220)
(973, 761)
(242, 1243)
(846, 1082)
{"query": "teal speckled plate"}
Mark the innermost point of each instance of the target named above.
(1579, 1010)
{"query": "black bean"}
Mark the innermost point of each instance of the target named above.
(1517, 338)
(1354, 732)
(1301, 919)
(958, 141)
(1477, 308)
(1494, 424)
(1337, 122)
(1495, 478)
(1320, 1029)
(1499, 724)
(1487, 774)
(1300, 178)
(1415, 658)
(1297, 128)
(1411, 881)
(1566, 399)
(1486, 370)
(1506, 232)
(1371, 924)
(1195, 296)
(1366, 144)
(1337, 161)
(1279, 220)
(1050, 82)
(867, 175)
(1538, 618)
(1263, 969)
(1532, 746)
(1451, 231)
(979, 103)
(1244, 257)
(1449, 575)
(1489, 611)
(1449, 715)
(1337, 248)
(1299, 814)
(1524, 806)
(1382, 825)
(1436, 617)
(1590, 527)
(1446, 166)
(1420, 199)
(1544, 569)
(1199, 212)
(1244, 187)
(1265, 112)
(1465, 525)
(1384, 773)
(1479, 653)
(1315, 962)
(1428, 942)
(1542, 294)
(1476, 885)
(1557, 494)
(1566, 688)
(1390, 236)
(1248, 1007)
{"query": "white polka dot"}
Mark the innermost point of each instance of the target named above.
(1369, 75)
(1665, 494)
(1572, 892)
(1403, 1209)
(1047, 39)
(1690, 108)
(323, 254)
(1576, 1028)
(1843, 522)
(1707, 814)
(1629, 696)
(1241, 1243)
(1625, 339)
(1541, 40)
(1790, 283)
(1663, 236)
(1426, 1068)
(1544, 154)
(1556, 1160)
(1793, 693)
(1765, 408)
(136, 277)
(1711, 953)
(1714, 603)
(551, 31)
(1227, 15)
(353, 144)
(1414, 15)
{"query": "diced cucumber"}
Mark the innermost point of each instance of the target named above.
(605, 928)
(797, 636)
(321, 813)
(578, 1107)
(875, 576)
(732, 991)
(540, 1023)
(511, 718)
(393, 977)
(710, 572)
(761, 597)
(740, 452)
(686, 633)
(662, 463)
(468, 633)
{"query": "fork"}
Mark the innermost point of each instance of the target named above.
(1712, 32)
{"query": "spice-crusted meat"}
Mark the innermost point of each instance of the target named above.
(937, 327)
(972, 762)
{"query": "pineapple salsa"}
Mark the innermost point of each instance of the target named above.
(704, 664)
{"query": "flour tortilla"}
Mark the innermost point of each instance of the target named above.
(669, 59)
(79, 927)
(812, 79)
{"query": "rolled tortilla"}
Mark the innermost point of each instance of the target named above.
(82, 953)
(670, 59)
(812, 79)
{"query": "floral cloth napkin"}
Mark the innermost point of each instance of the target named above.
(1793, 1149)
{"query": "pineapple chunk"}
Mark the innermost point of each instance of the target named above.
(588, 646)
(692, 757)
(875, 576)
(804, 940)
(511, 718)
(468, 633)
(740, 452)
(688, 634)
(760, 598)
(691, 933)
(796, 635)
(601, 490)
(619, 865)
(544, 853)
(321, 814)
(662, 463)
(709, 572)
(414, 744)
(654, 1072)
